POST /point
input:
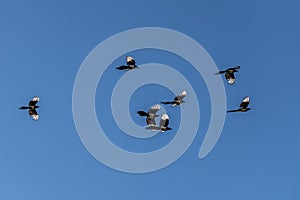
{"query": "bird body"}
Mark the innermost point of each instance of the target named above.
(229, 74)
(130, 64)
(32, 108)
(177, 100)
(163, 124)
(150, 115)
(243, 106)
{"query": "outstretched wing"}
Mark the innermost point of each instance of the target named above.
(164, 121)
(153, 128)
(230, 77)
(34, 101)
(181, 95)
(130, 60)
(33, 114)
(245, 102)
(236, 67)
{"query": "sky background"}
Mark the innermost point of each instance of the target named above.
(42, 46)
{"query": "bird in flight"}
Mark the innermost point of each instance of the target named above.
(177, 100)
(163, 124)
(243, 106)
(32, 108)
(229, 74)
(130, 64)
(150, 115)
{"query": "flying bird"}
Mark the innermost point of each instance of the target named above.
(229, 74)
(150, 115)
(130, 64)
(243, 106)
(177, 100)
(32, 108)
(163, 124)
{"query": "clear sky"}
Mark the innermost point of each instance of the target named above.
(43, 44)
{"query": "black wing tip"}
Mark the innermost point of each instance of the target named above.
(142, 113)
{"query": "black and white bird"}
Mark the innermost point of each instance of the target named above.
(163, 124)
(151, 114)
(243, 106)
(32, 108)
(177, 100)
(229, 74)
(130, 64)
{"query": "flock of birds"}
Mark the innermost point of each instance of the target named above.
(152, 111)
(178, 100)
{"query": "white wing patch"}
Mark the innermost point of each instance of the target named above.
(35, 117)
(35, 99)
(164, 117)
(246, 99)
(183, 93)
(155, 107)
(129, 59)
(231, 81)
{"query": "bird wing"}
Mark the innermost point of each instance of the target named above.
(33, 114)
(233, 69)
(230, 77)
(130, 60)
(164, 121)
(181, 95)
(34, 101)
(153, 109)
(245, 102)
(153, 128)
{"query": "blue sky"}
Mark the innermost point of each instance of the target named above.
(42, 47)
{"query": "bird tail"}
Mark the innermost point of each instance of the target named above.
(142, 113)
(164, 129)
(122, 67)
(153, 128)
(166, 102)
(24, 107)
(220, 72)
(229, 111)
